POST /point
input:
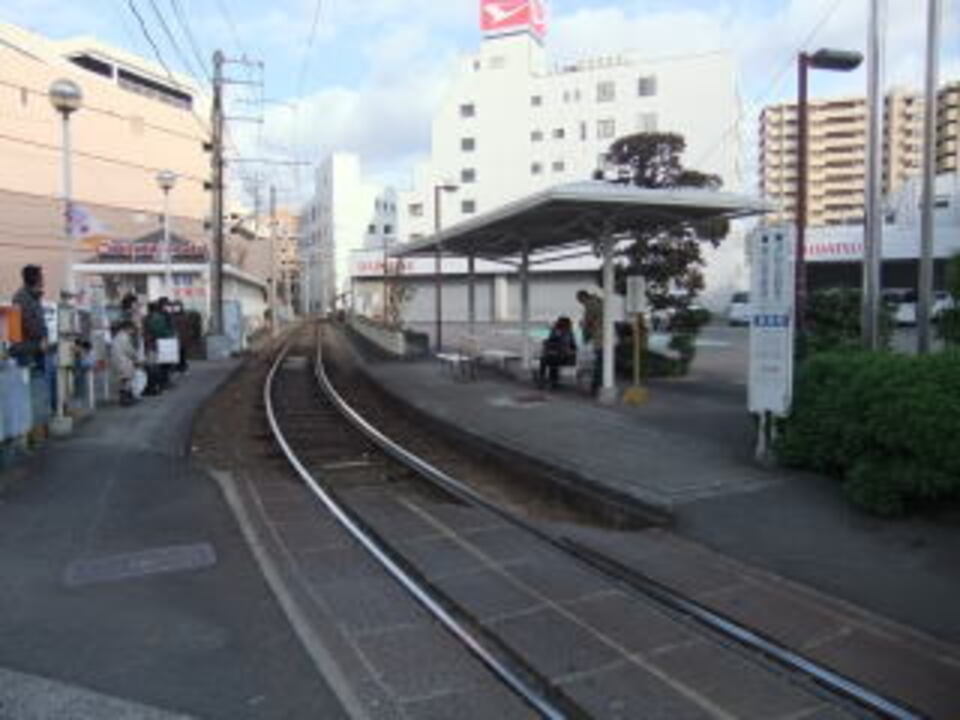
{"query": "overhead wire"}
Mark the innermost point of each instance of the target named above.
(97, 157)
(198, 54)
(184, 58)
(774, 83)
(159, 56)
(106, 112)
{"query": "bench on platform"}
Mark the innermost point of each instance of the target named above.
(462, 361)
(500, 359)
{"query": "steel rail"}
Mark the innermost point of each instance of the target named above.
(633, 579)
(473, 643)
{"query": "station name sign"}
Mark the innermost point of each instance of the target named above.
(149, 252)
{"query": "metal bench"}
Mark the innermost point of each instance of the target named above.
(461, 362)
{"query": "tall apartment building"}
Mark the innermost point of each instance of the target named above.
(836, 156)
(512, 124)
(948, 129)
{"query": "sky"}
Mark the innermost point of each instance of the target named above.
(366, 75)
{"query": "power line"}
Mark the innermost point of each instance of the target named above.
(107, 112)
(100, 158)
(777, 79)
(191, 40)
(306, 53)
(173, 41)
(159, 56)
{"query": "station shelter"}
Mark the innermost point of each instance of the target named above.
(571, 220)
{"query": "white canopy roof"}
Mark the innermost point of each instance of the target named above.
(579, 213)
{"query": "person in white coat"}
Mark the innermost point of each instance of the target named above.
(123, 358)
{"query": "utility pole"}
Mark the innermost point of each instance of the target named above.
(274, 320)
(216, 265)
(873, 221)
(925, 285)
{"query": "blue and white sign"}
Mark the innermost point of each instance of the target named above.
(771, 319)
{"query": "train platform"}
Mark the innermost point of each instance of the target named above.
(128, 590)
(689, 452)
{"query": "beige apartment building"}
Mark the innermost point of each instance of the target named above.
(836, 158)
(948, 129)
(135, 121)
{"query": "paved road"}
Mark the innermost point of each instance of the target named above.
(127, 589)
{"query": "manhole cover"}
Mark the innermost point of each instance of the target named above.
(126, 566)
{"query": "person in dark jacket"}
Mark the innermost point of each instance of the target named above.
(559, 349)
(156, 326)
(32, 350)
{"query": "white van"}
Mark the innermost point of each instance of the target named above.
(739, 312)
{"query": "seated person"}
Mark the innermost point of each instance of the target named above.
(559, 349)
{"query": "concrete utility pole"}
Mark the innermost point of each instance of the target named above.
(216, 260)
(274, 320)
(873, 220)
(925, 285)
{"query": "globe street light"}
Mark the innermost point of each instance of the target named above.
(437, 190)
(166, 180)
(66, 98)
(823, 59)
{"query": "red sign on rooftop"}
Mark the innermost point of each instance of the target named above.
(500, 16)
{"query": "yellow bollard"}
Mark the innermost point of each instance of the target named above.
(637, 394)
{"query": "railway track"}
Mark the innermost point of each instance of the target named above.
(493, 579)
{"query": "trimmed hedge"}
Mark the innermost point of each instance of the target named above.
(887, 425)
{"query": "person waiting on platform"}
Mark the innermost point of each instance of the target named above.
(592, 327)
(559, 349)
(123, 358)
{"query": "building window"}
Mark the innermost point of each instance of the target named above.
(24, 96)
(468, 207)
(559, 166)
(468, 144)
(647, 86)
(536, 136)
(536, 100)
(566, 96)
(606, 91)
(606, 129)
(536, 168)
(468, 175)
(583, 131)
(558, 134)
(468, 110)
(387, 229)
(371, 229)
(647, 122)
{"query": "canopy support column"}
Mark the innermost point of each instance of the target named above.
(525, 305)
(608, 391)
(471, 291)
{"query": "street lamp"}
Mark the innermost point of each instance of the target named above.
(823, 59)
(166, 180)
(437, 190)
(66, 98)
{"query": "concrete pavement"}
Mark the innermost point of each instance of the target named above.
(128, 590)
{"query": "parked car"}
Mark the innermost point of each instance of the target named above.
(739, 312)
(942, 301)
(903, 302)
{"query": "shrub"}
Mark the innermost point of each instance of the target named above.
(886, 425)
(832, 320)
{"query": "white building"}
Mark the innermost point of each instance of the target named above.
(346, 214)
(511, 124)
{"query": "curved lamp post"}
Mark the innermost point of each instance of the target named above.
(823, 59)
(165, 181)
(66, 98)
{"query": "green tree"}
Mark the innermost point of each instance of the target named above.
(667, 252)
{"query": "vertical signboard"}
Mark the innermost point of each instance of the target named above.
(771, 320)
(503, 16)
